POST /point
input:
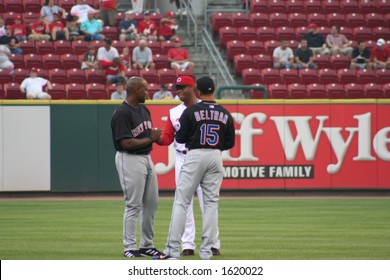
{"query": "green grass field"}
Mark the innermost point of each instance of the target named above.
(250, 228)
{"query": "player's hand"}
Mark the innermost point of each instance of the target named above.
(155, 133)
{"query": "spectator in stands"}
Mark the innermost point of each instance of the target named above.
(74, 28)
(39, 31)
(316, 41)
(120, 93)
(107, 53)
(338, 43)
(92, 28)
(168, 27)
(128, 28)
(5, 62)
(179, 57)
(49, 9)
(108, 12)
(33, 86)
(361, 57)
(147, 28)
(381, 55)
(304, 57)
(142, 56)
(163, 93)
(19, 29)
(126, 58)
(114, 71)
(12, 42)
(156, 5)
(81, 10)
(283, 56)
(90, 59)
(57, 30)
(3, 32)
(179, 11)
(137, 5)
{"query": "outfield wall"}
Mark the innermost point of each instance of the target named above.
(66, 146)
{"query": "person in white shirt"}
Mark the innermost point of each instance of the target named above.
(120, 93)
(5, 62)
(81, 10)
(33, 86)
(107, 53)
(283, 56)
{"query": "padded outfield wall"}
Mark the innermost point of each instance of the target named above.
(66, 146)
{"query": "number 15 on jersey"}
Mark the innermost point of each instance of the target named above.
(209, 134)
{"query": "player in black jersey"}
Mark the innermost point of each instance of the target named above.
(207, 129)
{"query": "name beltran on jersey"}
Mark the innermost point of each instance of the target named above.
(141, 128)
(211, 115)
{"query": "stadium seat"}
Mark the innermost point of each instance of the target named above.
(340, 61)
(80, 47)
(374, 20)
(317, 18)
(240, 20)
(160, 61)
(132, 44)
(112, 87)
(386, 90)
(251, 76)
(254, 47)
(119, 45)
(246, 33)
(28, 47)
(294, 6)
(262, 61)
(137, 16)
(289, 76)
(66, 4)
(152, 89)
(30, 17)
(5, 77)
(300, 31)
(286, 33)
(157, 17)
(59, 76)
(297, 19)
(265, 33)
(270, 76)
(51, 61)
(20, 75)
(44, 47)
(1, 92)
(96, 91)
(297, 91)
(383, 6)
(257, 6)
(362, 33)
(33, 60)
(184, 72)
(259, 19)
(63, 47)
(235, 47)
(155, 46)
(76, 75)
(355, 20)
(349, 6)
(17, 60)
(227, 34)
(327, 76)
(366, 76)
(354, 91)
(337, 19)
(33, 5)
(95, 76)
(276, 6)
(367, 6)
(12, 91)
(386, 17)
(330, 6)
(373, 91)
(43, 73)
(270, 46)
(335, 91)
(312, 6)
(57, 92)
(382, 76)
(256, 94)
(322, 61)
(219, 20)
(9, 17)
(131, 73)
(278, 19)
(308, 76)
(97, 44)
(75, 91)
(278, 91)
(70, 61)
(242, 61)
(316, 91)
(346, 76)
(381, 32)
(150, 75)
(166, 45)
(324, 31)
(166, 76)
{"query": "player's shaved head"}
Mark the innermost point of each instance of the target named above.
(137, 90)
(133, 84)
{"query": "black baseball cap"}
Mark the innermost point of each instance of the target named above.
(205, 85)
(108, 41)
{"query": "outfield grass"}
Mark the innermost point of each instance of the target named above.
(250, 228)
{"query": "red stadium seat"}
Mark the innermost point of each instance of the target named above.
(166, 76)
(381, 32)
(75, 91)
(367, 6)
(160, 61)
(227, 34)
(76, 76)
(278, 91)
(276, 6)
(66, 4)
(131, 73)
(58, 91)
(12, 91)
(327, 76)
(9, 18)
(297, 19)
(17, 60)
(324, 30)
(349, 6)
(80, 47)
(242, 61)
(270, 46)
(59, 76)
(240, 19)
(33, 5)
(330, 6)
(251, 76)
(247, 33)
(95, 76)
(374, 20)
(294, 6)
(43, 73)
(322, 61)
(386, 90)
(157, 17)
(257, 6)
(29, 18)
(335, 19)
(155, 46)
(219, 20)
(70, 61)
(5, 77)
(63, 47)
(354, 91)
(308, 76)
(373, 91)
(300, 31)
(184, 72)
(166, 45)
(262, 61)
(235, 47)
(2, 6)
(346, 76)
(335, 91)
(136, 16)
(51, 61)
(44, 47)
(254, 47)
(259, 19)
(387, 19)
(1, 92)
(28, 47)
(383, 6)
(33, 60)
(286, 33)
(362, 33)
(265, 33)
(97, 44)
(383, 76)
(112, 88)
(96, 91)
(150, 75)
(152, 89)
(119, 45)
(297, 91)
(366, 76)
(317, 18)
(312, 6)
(255, 94)
(340, 61)
(270, 76)
(20, 75)
(316, 91)
(16, 6)
(355, 20)
(289, 76)
(278, 19)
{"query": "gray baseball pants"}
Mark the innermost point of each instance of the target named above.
(202, 167)
(140, 191)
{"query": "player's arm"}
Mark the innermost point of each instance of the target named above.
(182, 134)
(230, 134)
(168, 134)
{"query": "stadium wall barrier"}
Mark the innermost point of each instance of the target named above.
(66, 146)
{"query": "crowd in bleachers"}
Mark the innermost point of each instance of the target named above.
(83, 48)
(307, 49)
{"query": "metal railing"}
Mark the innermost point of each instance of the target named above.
(190, 18)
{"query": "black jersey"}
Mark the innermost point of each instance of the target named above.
(130, 122)
(206, 125)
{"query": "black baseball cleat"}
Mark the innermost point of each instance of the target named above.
(132, 254)
(163, 257)
(215, 252)
(188, 252)
(150, 252)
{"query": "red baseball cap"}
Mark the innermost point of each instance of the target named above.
(170, 14)
(185, 80)
(312, 25)
(34, 69)
(17, 17)
(178, 40)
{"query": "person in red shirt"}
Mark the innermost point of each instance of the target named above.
(19, 29)
(108, 12)
(168, 27)
(114, 71)
(57, 29)
(147, 28)
(179, 57)
(39, 31)
(381, 55)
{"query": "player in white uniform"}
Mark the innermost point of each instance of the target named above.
(185, 89)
